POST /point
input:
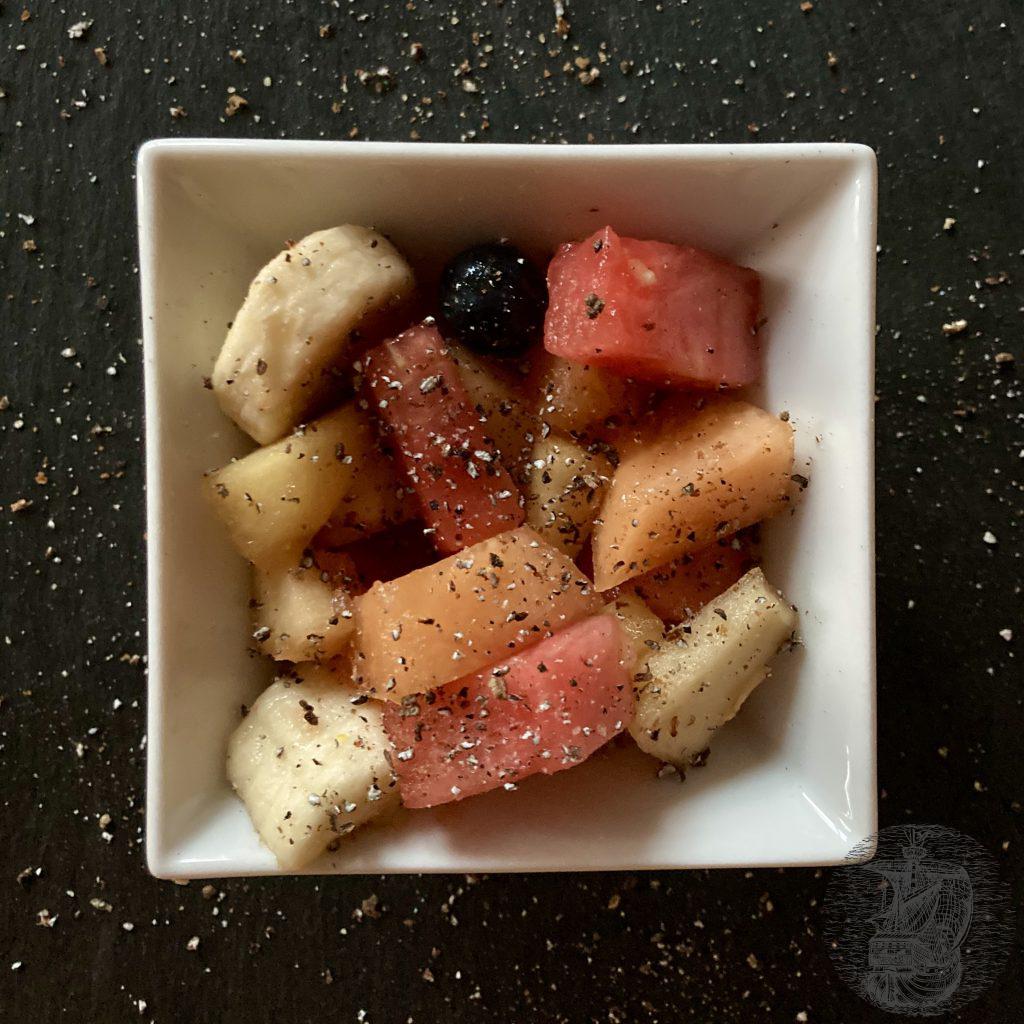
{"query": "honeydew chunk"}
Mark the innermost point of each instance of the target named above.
(295, 325)
(298, 615)
(449, 619)
(563, 491)
(707, 669)
(274, 499)
(310, 764)
(692, 478)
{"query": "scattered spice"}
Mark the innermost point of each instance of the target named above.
(235, 104)
(593, 306)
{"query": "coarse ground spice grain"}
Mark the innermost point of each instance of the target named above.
(933, 85)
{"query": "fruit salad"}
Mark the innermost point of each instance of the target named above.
(492, 542)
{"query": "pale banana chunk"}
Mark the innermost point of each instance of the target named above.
(310, 765)
(564, 489)
(295, 323)
(298, 615)
(274, 499)
(707, 669)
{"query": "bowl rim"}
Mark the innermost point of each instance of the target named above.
(152, 154)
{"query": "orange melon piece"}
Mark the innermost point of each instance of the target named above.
(467, 611)
(693, 478)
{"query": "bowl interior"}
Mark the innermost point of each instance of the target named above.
(791, 780)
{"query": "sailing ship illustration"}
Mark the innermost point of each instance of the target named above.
(926, 911)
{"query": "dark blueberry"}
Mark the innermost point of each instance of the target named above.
(493, 300)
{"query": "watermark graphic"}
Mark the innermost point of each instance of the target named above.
(923, 927)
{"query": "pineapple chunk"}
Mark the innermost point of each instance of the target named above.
(298, 615)
(277, 497)
(645, 630)
(377, 501)
(564, 488)
(295, 325)
(577, 396)
(697, 477)
(310, 764)
(706, 670)
(498, 394)
(467, 611)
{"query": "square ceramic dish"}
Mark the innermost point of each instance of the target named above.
(792, 780)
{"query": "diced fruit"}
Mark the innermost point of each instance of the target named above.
(679, 590)
(705, 671)
(386, 556)
(563, 490)
(294, 325)
(579, 398)
(465, 494)
(298, 615)
(695, 478)
(274, 499)
(641, 626)
(498, 392)
(465, 612)
(338, 569)
(310, 762)
(380, 500)
(543, 710)
(665, 313)
(493, 300)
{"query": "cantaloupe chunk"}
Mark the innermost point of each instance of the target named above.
(563, 487)
(577, 398)
(707, 669)
(274, 499)
(299, 615)
(296, 322)
(694, 478)
(310, 762)
(422, 630)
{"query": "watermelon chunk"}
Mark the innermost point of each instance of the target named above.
(543, 710)
(677, 591)
(665, 313)
(464, 493)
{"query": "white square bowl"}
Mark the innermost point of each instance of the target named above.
(792, 780)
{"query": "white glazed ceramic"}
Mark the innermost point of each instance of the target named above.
(792, 780)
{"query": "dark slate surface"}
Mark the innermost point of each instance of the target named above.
(933, 85)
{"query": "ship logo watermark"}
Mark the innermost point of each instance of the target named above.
(923, 927)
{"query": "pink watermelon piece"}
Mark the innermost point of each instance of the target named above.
(464, 493)
(664, 313)
(543, 710)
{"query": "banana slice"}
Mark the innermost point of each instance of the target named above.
(708, 667)
(310, 764)
(295, 323)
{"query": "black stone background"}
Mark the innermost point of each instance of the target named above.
(933, 85)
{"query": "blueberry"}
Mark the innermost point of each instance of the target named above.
(493, 300)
